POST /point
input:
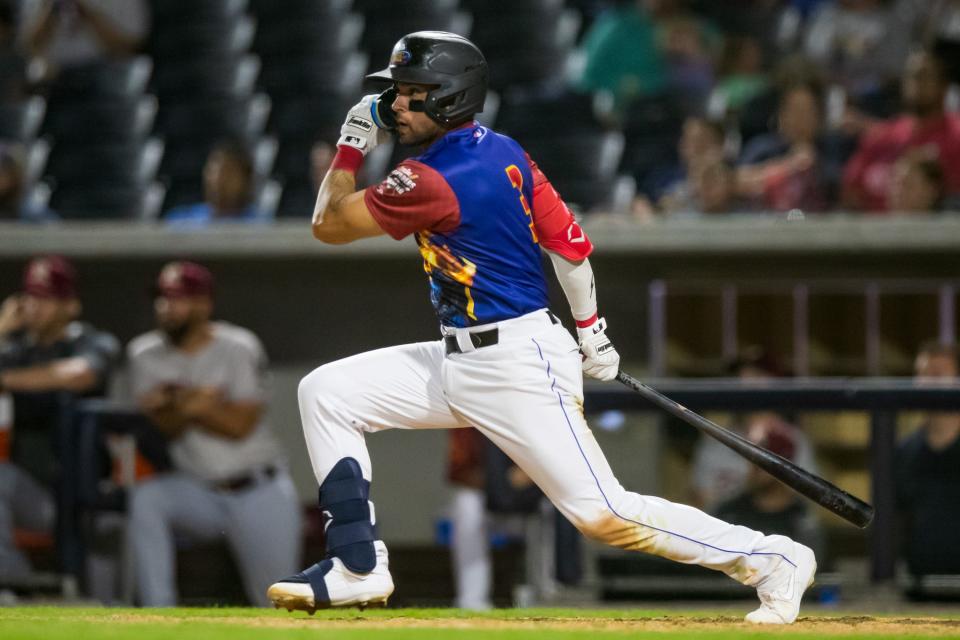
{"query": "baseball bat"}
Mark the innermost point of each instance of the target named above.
(831, 497)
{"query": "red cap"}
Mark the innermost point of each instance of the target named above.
(184, 279)
(50, 277)
(775, 436)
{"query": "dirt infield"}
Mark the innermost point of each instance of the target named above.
(825, 626)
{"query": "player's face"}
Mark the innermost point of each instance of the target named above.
(414, 127)
(44, 315)
(176, 315)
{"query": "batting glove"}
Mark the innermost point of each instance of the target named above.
(600, 358)
(361, 130)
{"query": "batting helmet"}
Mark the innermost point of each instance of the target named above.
(447, 60)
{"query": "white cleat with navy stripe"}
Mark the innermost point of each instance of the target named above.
(330, 584)
(781, 591)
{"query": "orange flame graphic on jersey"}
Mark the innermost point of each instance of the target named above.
(440, 258)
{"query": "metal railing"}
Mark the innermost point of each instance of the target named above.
(882, 398)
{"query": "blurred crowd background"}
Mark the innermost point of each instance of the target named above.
(185, 113)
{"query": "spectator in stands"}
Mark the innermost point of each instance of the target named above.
(621, 54)
(229, 183)
(719, 473)
(740, 72)
(713, 189)
(689, 46)
(46, 355)
(766, 504)
(783, 170)
(928, 473)
(202, 383)
(68, 33)
(925, 124)
(862, 43)
(668, 187)
(917, 185)
(13, 64)
(15, 204)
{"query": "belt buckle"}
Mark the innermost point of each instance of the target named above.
(464, 341)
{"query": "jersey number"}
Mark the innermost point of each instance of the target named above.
(516, 179)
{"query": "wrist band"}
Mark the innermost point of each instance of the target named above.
(347, 159)
(583, 324)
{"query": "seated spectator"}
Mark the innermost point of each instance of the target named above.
(740, 72)
(861, 43)
(13, 65)
(228, 190)
(621, 55)
(718, 472)
(712, 189)
(783, 170)
(202, 383)
(45, 352)
(14, 202)
(689, 46)
(917, 185)
(766, 504)
(668, 186)
(68, 33)
(928, 473)
(925, 124)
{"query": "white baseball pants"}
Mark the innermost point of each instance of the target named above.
(526, 395)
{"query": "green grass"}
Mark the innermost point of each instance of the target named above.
(55, 623)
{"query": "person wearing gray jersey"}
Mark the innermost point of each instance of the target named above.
(202, 383)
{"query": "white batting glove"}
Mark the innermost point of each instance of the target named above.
(600, 358)
(360, 129)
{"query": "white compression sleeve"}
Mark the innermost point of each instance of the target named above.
(576, 280)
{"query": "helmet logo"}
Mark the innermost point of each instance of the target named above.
(401, 58)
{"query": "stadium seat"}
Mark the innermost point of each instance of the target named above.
(109, 203)
(207, 120)
(308, 35)
(21, 120)
(198, 40)
(652, 127)
(312, 118)
(531, 50)
(270, 11)
(535, 116)
(384, 29)
(338, 74)
(213, 77)
(119, 79)
(175, 13)
(111, 164)
(94, 122)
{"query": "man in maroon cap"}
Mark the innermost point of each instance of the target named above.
(202, 383)
(44, 351)
(766, 504)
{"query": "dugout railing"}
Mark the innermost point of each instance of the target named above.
(881, 398)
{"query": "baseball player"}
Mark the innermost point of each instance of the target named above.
(481, 213)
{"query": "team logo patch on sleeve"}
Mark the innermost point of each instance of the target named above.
(401, 180)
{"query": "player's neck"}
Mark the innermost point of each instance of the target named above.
(197, 338)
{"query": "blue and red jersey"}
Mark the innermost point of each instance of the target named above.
(480, 210)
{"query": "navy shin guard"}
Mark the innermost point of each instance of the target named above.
(344, 501)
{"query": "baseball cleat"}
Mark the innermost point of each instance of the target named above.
(781, 591)
(329, 584)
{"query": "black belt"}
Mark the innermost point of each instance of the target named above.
(241, 483)
(481, 339)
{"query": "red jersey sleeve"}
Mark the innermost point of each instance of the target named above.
(413, 197)
(556, 227)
